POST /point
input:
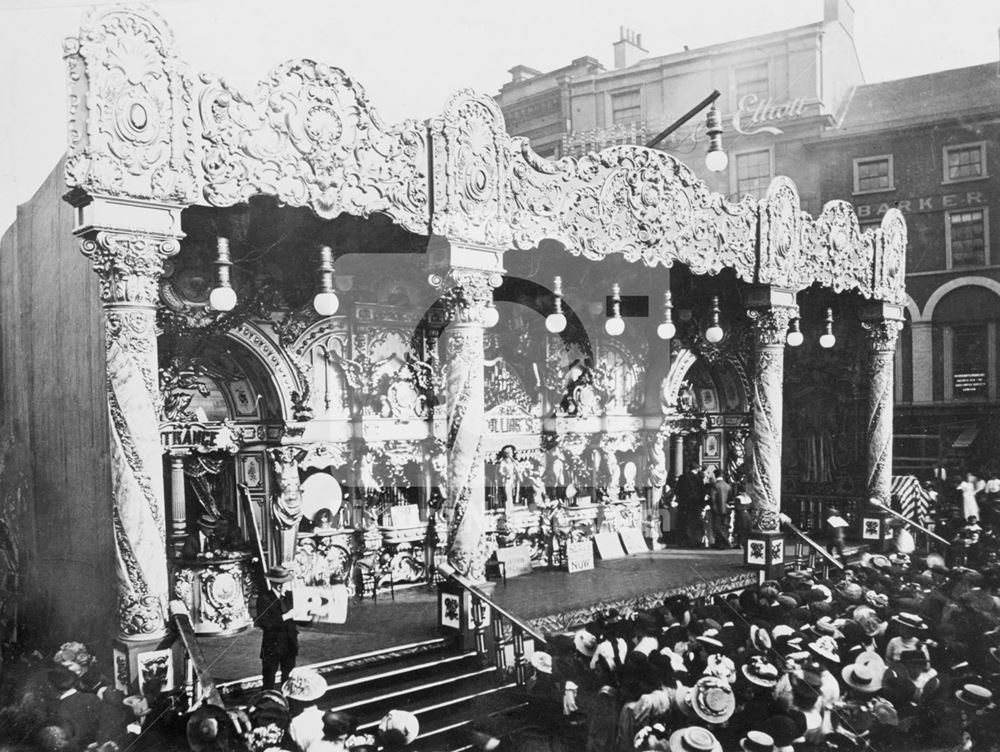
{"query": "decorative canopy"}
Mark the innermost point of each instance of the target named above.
(143, 128)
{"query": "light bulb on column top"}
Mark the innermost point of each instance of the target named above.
(614, 326)
(222, 299)
(666, 330)
(555, 322)
(491, 317)
(716, 161)
(326, 303)
(827, 340)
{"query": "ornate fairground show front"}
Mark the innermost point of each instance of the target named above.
(361, 348)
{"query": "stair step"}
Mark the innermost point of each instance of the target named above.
(413, 687)
(409, 666)
(427, 712)
(450, 735)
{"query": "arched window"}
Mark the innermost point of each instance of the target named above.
(965, 344)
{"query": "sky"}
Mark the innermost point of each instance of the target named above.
(411, 55)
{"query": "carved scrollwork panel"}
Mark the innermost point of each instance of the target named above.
(309, 136)
(130, 101)
(889, 243)
(781, 222)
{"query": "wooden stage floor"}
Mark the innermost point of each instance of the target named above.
(551, 601)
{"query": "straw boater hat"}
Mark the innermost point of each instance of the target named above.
(910, 620)
(757, 741)
(278, 574)
(863, 676)
(210, 729)
(826, 647)
(304, 685)
(541, 661)
(209, 521)
(760, 671)
(974, 696)
(400, 722)
(760, 638)
(694, 739)
(585, 642)
(711, 699)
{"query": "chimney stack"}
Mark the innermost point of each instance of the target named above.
(628, 48)
(839, 10)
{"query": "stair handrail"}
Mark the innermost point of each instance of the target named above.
(810, 542)
(883, 508)
(182, 621)
(449, 572)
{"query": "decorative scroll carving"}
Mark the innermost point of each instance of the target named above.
(309, 136)
(129, 101)
(467, 293)
(781, 222)
(128, 265)
(890, 259)
(881, 336)
(834, 253)
(292, 385)
(286, 507)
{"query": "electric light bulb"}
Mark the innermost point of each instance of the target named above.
(326, 303)
(827, 340)
(614, 326)
(491, 316)
(555, 322)
(714, 334)
(222, 299)
(794, 338)
(716, 161)
(666, 330)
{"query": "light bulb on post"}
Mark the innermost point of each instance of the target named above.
(555, 322)
(827, 340)
(615, 324)
(794, 337)
(326, 302)
(714, 332)
(491, 316)
(223, 296)
(667, 330)
(716, 159)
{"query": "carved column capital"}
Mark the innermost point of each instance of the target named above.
(770, 324)
(466, 293)
(881, 335)
(129, 264)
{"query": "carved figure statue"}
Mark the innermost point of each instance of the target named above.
(686, 398)
(556, 478)
(509, 472)
(613, 474)
(367, 483)
(286, 507)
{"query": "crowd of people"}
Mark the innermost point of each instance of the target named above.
(895, 652)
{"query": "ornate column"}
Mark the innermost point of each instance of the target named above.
(770, 309)
(178, 503)
(129, 265)
(882, 323)
(676, 455)
(467, 293)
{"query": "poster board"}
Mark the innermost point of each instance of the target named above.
(609, 546)
(632, 541)
(325, 604)
(579, 556)
(516, 559)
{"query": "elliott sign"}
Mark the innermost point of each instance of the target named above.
(753, 113)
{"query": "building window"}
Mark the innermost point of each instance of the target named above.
(967, 238)
(964, 162)
(873, 174)
(626, 107)
(970, 361)
(752, 79)
(753, 173)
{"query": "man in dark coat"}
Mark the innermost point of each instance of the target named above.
(76, 712)
(691, 498)
(279, 645)
(721, 497)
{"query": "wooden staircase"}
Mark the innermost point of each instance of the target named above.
(450, 690)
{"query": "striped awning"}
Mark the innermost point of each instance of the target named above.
(965, 439)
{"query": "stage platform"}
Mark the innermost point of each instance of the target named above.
(550, 601)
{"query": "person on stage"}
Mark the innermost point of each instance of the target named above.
(692, 498)
(279, 645)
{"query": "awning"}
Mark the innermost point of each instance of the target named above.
(965, 439)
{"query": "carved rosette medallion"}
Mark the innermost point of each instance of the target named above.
(880, 341)
(466, 295)
(770, 326)
(129, 266)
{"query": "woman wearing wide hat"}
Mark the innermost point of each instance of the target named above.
(279, 645)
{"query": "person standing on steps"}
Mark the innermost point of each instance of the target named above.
(279, 645)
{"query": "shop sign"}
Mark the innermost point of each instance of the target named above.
(969, 383)
(579, 556)
(753, 114)
(941, 202)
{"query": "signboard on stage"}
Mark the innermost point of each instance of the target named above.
(633, 541)
(579, 556)
(609, 546)
(326, 604)
(516, 559)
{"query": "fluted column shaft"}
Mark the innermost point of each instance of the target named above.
(770, 327)
(467, 293)
(178, 502)
(129, 266)
(881, 333)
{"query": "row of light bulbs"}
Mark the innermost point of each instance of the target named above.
(326, 303)
(555, 322)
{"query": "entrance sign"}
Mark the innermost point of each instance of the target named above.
(579, 556)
